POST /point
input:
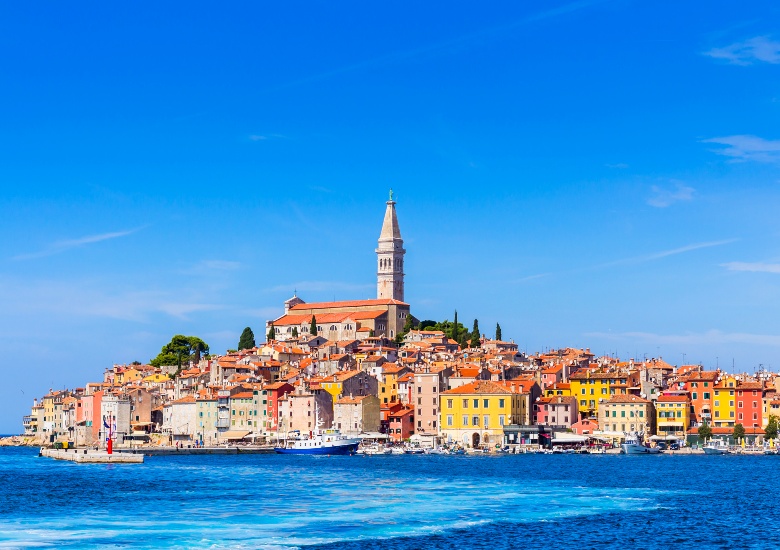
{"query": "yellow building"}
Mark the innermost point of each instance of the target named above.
(475, 414)
(673, 415)
(592, 387)
(723, 406)
(127, 374)
(559, 389)
(388, 385)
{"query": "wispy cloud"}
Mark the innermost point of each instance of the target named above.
(663, 198)
(708, 338)
(63, 246)
(743, 148)
(446, 46)
(666, 253)
(758, 49)
(265, 137)
(754, 267)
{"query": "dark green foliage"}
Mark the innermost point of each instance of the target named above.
(181, 349)
(271, 336)
(454, 334)
(498, 331)
(313, 327)
(247, 339)
(475, 343)
(705, 432)
(427, 324)
(770, 432)
(295, 332)
(739, 432)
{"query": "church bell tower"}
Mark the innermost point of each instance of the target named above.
(390, 257)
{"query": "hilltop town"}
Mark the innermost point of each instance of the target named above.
(371, 367)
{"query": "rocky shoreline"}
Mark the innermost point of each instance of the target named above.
(20, 441)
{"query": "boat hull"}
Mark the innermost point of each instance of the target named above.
(634, 449)
(346, 449)
(711, 451)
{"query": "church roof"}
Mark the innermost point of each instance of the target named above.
(325, 318)
(390, 229)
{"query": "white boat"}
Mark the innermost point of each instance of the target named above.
(716, 447)
(374, 449)
(632, 446)
(319, 442)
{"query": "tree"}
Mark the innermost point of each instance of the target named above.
(295, 332)
(705, 432)
(408, 326)
(770, 432)
(475, 343)
(271, 336)
(247, 339)
(739, 432)
(455, 327)
(313, 327)
(424, 325)
(180, 349)
(498, 331)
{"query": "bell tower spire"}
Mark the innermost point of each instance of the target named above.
(390, 256)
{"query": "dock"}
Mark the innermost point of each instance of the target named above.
(89, 456)
(216, 450)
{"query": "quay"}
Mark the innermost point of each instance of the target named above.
(172, 451)
(88, 456)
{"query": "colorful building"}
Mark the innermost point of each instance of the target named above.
(673, 416)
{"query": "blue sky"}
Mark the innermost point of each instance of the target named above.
(600, 174)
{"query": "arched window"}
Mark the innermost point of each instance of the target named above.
(333, 327)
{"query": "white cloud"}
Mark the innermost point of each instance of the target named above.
(755, 267)
(68, 244)
(708, 338)
(747, 148)
(665, 253)
(757, 49)
(666, 197)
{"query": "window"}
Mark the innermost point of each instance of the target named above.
(475, 421)
(695, 396)
(419, 389)
(740, 416)
(614, 413)
(465, 403)
(641, 414)
(622, 414)
(485, 403)
(501, 403)
(706, 395)
(465, 420)
(476, 403)
(449, 403)
(501, 420)
(485, 420)
(717, 414)
(717, 403)
(419, 400)
(739, 406)
(583, 393)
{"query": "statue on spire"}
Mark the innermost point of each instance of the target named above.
(391, 194)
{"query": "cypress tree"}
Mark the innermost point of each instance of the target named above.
(295, 332)
(498, 331)
(247, 339)
(475, 343)
(455, 328)
(313, 327)
(271, 336)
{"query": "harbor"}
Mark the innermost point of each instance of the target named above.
(87, 456)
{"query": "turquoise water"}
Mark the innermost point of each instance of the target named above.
(398, 502)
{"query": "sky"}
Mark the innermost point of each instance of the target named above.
(600, 174)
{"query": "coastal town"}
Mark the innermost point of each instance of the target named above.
(369, 368)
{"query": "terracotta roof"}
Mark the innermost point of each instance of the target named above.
(627, 399)
(351, 400)
(479, 387)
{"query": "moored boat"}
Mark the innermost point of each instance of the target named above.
(319, 442)
(632, 446)
(716, 447)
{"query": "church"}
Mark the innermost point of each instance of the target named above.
(357, 319)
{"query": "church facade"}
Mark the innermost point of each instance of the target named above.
(357, 319)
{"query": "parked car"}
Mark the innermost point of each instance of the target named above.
(674, 447)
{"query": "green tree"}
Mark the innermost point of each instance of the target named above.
(295, 332)
(408, 326)
(424, 325)
(179, 350)
(455, 335)
(739, 432)
(271, 336)
(705, 432)
(247, 339)
(770, 432)
(475, 343)
(498, 331)
(313, 327)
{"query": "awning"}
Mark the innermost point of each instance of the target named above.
(141, 423)
(563, 438)
(665, 438)
(235, 434)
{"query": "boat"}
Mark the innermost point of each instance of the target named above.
(414, 451)
(632, 446)
(319, 442)
(716, 447)
(374, 449)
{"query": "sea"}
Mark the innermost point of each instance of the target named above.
(394, 502)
